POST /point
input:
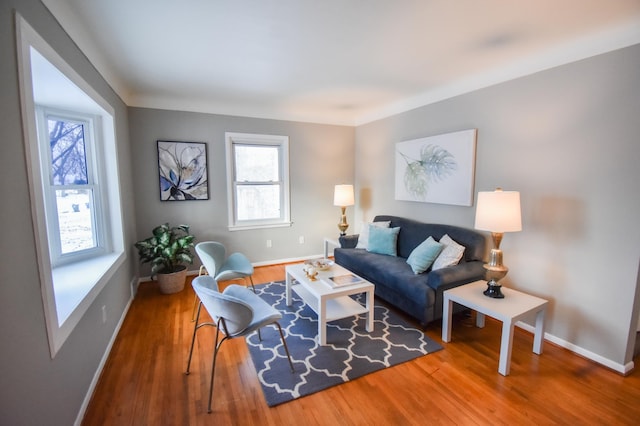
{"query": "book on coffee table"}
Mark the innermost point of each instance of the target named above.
(343, 280)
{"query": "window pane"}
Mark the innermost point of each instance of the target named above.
(257, 202)
(75, 216)
(257, 163)
(68, 160)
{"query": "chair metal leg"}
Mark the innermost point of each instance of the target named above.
(254, 290)
(193, 339)
(193, 311)
(284, 342)
(213, 364)
(201, 271)
(216, 348)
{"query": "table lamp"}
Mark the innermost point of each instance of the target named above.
(497, 212)
(343, 197)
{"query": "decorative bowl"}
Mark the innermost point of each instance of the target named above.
(320, 264)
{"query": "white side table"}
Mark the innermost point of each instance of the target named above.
(327, 242)
(514, 307)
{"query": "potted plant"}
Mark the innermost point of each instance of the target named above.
(167, 251)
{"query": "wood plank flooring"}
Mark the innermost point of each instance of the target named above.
(143, 382)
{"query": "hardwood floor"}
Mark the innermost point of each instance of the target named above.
(143, 382)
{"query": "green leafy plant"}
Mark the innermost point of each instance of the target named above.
(168, 249)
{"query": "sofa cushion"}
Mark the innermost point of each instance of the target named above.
(363, 238)
(412, 233)
(422, 257)
(450, 255)
(394, 272)
(383, 240)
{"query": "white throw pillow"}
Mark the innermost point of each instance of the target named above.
(450, 255)
(363, 238)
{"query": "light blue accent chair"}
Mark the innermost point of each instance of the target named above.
(236, 312)
(213, 256)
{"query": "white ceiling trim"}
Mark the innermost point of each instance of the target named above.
(223, 108)
(615, 38)
(596, 44)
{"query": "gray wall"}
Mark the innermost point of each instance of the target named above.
(320, 157)
(567, 139)
(35, 389)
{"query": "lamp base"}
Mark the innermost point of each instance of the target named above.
(343, 225)
(493, 290)
(495, 271)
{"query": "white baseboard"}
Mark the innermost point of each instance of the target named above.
(289, 260)
(263, 263)
(620, 368)
(148, 278)
(105, 357)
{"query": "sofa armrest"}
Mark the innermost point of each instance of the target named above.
(453, 276)
(348, 241)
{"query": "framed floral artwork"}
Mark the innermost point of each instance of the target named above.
(437, 169)
(182, 167)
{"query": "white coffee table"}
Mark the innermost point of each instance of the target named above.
(329, 303)
(514, 307)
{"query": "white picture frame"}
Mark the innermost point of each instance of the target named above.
(437, 169)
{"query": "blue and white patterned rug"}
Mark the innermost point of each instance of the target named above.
(351, 351)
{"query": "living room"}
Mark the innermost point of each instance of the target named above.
(564, 136)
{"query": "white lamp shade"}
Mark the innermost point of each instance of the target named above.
(343, 196)
(498, 211)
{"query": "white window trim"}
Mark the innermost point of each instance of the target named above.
(92, 274)
(232, 138)
(96, 176)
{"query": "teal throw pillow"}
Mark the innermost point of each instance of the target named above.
(422, 257)
(383, 240)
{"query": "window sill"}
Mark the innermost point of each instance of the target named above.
(262, 226)
(72, 283)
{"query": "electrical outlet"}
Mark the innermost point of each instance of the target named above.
(268, 243)
(104, 314)
(301, 239)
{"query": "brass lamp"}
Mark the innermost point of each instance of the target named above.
(497, 212)
(343, 197)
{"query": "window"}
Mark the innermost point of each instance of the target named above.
(258, 180)
(71, 185)
(75, 205)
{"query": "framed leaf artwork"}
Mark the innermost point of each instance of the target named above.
(437, 169)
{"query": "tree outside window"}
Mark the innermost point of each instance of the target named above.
(72, 216)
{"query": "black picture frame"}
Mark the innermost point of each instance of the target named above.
(182, 171)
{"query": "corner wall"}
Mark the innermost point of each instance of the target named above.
(35, 389)
(567, 139)
(320, 156)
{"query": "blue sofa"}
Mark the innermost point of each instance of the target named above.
(419, 295)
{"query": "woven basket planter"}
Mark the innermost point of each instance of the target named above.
(173, 282)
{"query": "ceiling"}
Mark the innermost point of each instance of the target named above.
(332, 61)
